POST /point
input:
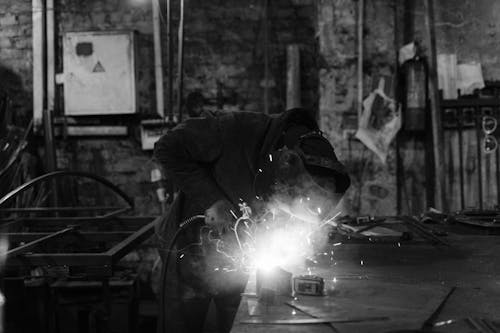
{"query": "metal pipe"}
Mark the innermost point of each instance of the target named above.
(160, 107)
(51, 85)
(498, 167)
(170, 104)
(437, 128)
(180, 61)
(479, 161)
(39, 82)
(266, 57)
(55, 174)
(461, 157)
(361, 8)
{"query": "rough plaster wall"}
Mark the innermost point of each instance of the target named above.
(469, 28)
(373, 189)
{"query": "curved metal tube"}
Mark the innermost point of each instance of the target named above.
(55, 174)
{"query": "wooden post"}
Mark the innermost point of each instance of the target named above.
(437, 129)
(293, 77)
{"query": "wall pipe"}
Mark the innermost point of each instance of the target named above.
(361, 7)
(38, 17)
(180, 61)
(160, 106)
(170, 104)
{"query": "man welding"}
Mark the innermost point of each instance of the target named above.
(217, 163)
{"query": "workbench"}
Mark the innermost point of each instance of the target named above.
(390, 287)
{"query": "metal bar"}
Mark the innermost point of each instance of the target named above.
(412, 223)
(266, 57)
(310, 321)
(497, 169)
(437, 133)
(470, 102)
(160, 108)
(180, 61)
(126, 245)
(479, 155)
(59, 209)
(169, 64)
(461, 158)
(39, 82)
(61, 220)
(94, 236)
(429, 323)
(26, 247)
(61, 259)
(360, 23)
(54, 174)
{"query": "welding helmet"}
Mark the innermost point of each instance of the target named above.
(304, 168)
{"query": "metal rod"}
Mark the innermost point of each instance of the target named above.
(39, 82)
(437, 132)
(51, 49)
(361, 8)
(180, 61)
(479, 156)
(429, 323)
(54, 174)
(28, 246)
(170, 104)
(461, 157)
(266, 57)
(160, 107)
(51, 209)
(498, 166)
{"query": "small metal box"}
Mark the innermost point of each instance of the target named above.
(308, 285)
(99, 73)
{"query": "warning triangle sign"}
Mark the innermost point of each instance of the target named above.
(98, 68)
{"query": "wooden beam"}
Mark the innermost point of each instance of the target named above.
(437, 129)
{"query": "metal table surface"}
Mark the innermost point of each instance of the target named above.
(403, 284)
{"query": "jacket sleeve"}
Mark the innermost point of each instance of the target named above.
(187, 153)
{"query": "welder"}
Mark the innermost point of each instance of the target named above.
(217, 163)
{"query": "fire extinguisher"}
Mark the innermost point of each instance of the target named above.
(415, 94)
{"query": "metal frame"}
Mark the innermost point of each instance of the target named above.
(131, 231)
(99, 264)
(52, 175)
(467, 113)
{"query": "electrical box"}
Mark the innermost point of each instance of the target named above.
(99, 73)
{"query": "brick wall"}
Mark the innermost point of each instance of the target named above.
(224, 56)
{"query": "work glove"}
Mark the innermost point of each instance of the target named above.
(219, 216)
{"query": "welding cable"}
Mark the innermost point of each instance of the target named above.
(182, 226)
